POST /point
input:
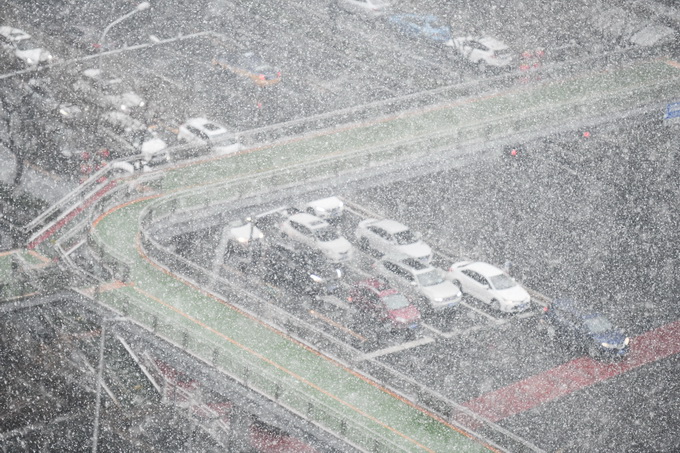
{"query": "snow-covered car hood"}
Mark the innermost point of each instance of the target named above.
(243, 231)
(515, 295)
(328, 206)
(153, 146)
(652, 35)
(128, 100)
(338, 250)
(416, 250)
(34, 56)
(446, 291)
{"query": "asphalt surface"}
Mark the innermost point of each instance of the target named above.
(588, 217)
(571, 213)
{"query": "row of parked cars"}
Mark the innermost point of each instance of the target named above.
(302, 248)
(483, 51)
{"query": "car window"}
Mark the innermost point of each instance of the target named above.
(211, 127)
(405, 237)
(598, 324)
(502, 281)
(430, 278)
(326, 234)
(395, 301)
(301, 228)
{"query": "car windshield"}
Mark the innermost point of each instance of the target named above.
(598, 324)
(502, 281)
(24, 44)
(436, 23)
(326, 234)
(430, 278)
(405, 237)
(113, 87)
(395, 301)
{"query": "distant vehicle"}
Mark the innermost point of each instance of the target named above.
(20, 43)
(367, 8)
(384, 304)
(390, 237)
(318, 234)
(250, 65)
(490, 285)
(84, 38)
(244, 242)
(427, 27)
(584, 329)
(626, 28)
(108, 92)
(424, 282)
(138, 136)
(483, 51)
(301, 268)
(328, 209)
(207, 132)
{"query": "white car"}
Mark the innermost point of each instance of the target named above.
(204, 131)
(367, 8)
(107, 91)
(319, 234)
(427, 283)
(483, 51)
(391, 237)
(491, 285)
(329, 209)
(21, 44)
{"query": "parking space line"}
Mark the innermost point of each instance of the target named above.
(439, 332)
(485, 314)
(396, 348)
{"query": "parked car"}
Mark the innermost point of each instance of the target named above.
(483, 51)
(250, 65)
(427, 27)
(301, 268)
(422, 281)
(108, 92)
(207, 132)
(367, 8)
(584, 329)
(625, 28)
(490, 285)
(384, 305)
(84, 37)
(244, 242)
(21, 45)
(329, 209)
(318, 234)
(390, 237)
(142, 139)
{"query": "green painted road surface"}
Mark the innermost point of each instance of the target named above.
(455, 121)
(205, 325)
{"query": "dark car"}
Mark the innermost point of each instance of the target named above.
(251, 65)
(584, 329)
(301, 268)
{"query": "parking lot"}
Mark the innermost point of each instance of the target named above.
(550, 213)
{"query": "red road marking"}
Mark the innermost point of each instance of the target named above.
(53, 229)
(575, 375)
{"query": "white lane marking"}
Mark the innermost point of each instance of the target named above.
(397, 348)
(483, 313)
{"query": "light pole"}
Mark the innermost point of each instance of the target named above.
(141, 7)
(100, 372)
